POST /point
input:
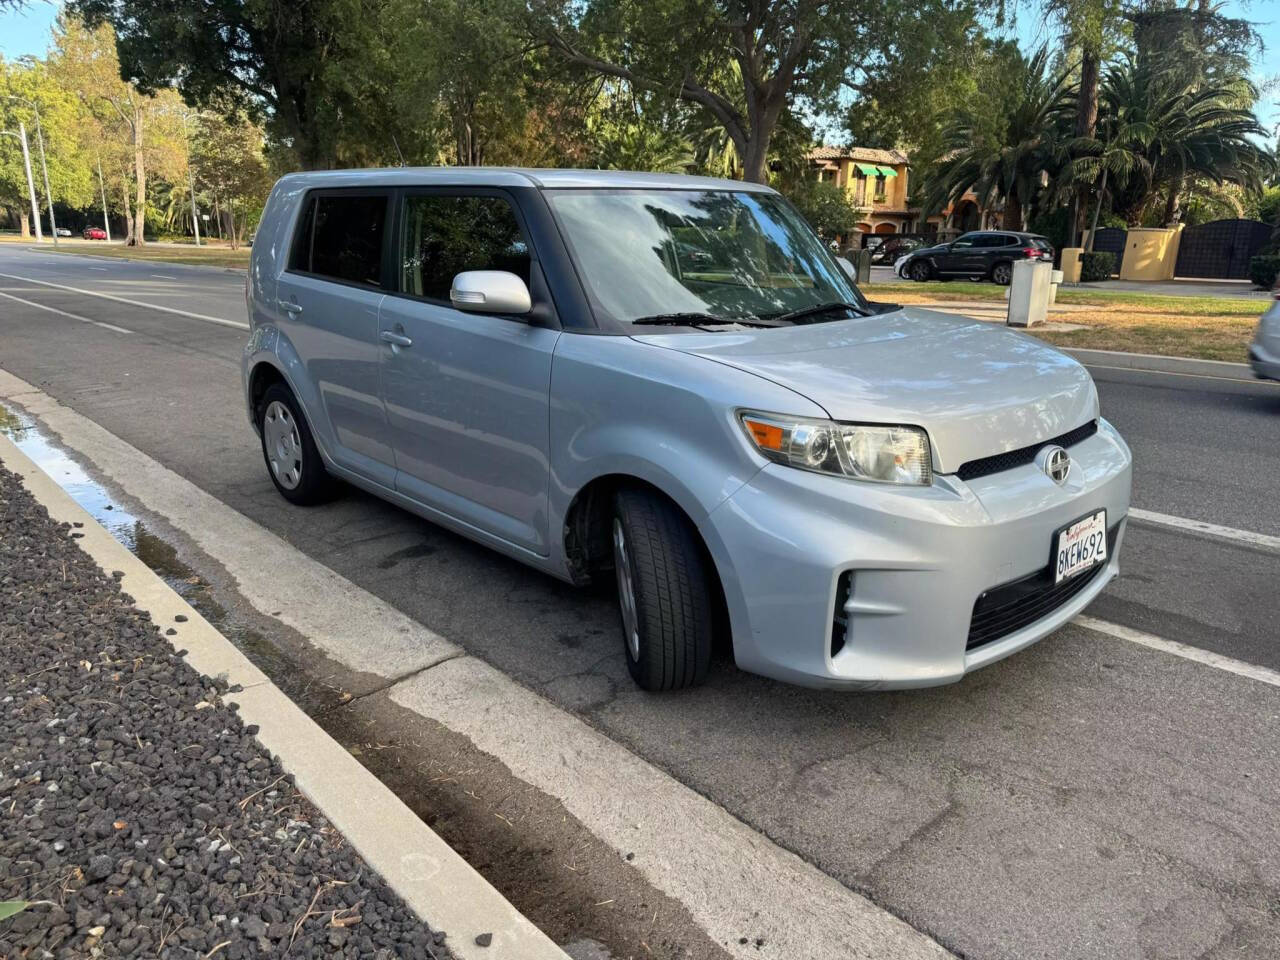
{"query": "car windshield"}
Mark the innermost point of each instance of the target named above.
(701, 258)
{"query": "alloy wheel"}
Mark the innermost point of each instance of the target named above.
(1002, 274)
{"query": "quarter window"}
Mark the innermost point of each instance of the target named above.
(341, 237)
(444, 235)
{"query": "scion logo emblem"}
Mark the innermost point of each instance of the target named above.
(1056, 462)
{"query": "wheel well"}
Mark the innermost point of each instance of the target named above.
(588, 543)
(262, 377)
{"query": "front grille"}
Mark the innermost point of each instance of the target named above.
(1008, 608)
(1017, 458)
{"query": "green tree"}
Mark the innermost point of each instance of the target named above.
(785, 53)
(318, 69)
(231, 168)
(27, 86)
(1003, 145)
(1186, 132)
(827, 208)
(85, 60)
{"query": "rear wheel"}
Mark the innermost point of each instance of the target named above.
(289, 449)
(1002, 273)
(920, 271)
(664, 595)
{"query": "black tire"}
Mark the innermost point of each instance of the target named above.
(920, 271)
(314, 485)
(1002, 273)
(671, 590)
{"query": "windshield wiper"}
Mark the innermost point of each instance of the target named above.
(816, 309)
(699, 320)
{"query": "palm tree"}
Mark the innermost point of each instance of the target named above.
(1176, 133)
(1007, 157)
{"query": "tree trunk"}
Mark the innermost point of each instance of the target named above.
(1171, 205)
(137, 239)
(1013, 209)
(1086, 121)
(24, 224)
(235, 239)
(128, 209)
(1097, 209)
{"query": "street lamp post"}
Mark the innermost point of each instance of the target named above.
(44, 168)
(21, 136)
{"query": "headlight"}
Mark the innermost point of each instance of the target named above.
(880, 454)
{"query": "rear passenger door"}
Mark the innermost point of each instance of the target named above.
(328, 301)
(467, 395)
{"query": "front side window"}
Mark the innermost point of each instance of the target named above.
(444, 235)
(718, 256)
(341, 236)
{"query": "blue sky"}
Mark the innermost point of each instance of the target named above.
(27, 31)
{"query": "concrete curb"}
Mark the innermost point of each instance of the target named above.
(420, 867)
(1158, 364)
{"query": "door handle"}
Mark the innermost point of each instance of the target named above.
(290, 308)
(395, 339)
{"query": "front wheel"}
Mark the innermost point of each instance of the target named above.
(664, 592)
(920, 271)
(1002, 273)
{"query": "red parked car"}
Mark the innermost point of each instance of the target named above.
(95, 233)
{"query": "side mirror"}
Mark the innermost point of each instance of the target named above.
(490, 291)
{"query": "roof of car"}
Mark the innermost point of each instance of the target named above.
(516, 177)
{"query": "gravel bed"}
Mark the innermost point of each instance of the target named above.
(136, 807)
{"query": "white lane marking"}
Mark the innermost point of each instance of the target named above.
(133, 303)
(1186, 651)
(99, 269)
(1209, 529)
(1174, 373)
(63, 313)
(161, 276)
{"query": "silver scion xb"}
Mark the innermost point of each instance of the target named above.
(669, 382)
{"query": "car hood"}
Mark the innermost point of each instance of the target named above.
(977, 389)
(939, 248)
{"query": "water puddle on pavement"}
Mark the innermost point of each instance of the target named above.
(157, 553)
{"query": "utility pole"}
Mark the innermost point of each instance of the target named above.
(48, 195)
(31, 184)
(191, 179)
(106, 218)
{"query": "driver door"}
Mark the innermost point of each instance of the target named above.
(467, 394)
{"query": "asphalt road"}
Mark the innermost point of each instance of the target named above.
(1084, 798)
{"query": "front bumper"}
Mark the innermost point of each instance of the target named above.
(918, 559)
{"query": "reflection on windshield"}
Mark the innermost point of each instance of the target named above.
(714, 254)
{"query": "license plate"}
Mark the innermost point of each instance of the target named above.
(1080, 546)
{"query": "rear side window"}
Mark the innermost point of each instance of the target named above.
(444, 235)
(341, 236)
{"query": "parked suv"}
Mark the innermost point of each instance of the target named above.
(982, 254)
(669, 383)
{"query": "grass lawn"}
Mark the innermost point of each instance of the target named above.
(1206, 328)
(209, 256)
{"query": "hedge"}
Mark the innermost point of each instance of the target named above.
(1097, 265)
(1263, 270)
